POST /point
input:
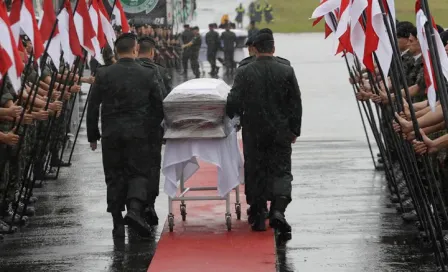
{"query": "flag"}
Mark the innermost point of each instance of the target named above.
(343, 30)
(29, 26)
(9, 53)
(106, 25)
(120, 17)
(325, 7)
(14, 19)
(358, 36)
(84, 28)
(46, 23)
(371, 43)
(323, 11)
(99, 41)
(427, 65)
(384, 51)
(69, 38)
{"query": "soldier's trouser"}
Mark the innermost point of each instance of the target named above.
(267, 166)
(155, 145)
(228, 58)
(185, 57)
(195, 63)
(126, 162)
(211, 58)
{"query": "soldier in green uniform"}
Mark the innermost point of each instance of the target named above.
(194, 46)
(258, 12)
(266, 96)
(213, 44)
(145, 58)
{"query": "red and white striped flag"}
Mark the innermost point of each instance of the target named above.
(84, 28)
(28, 24)
(427, 64)
(69, 38)
(343, 30)
(107, 26)
(10, 56)
(358, 36)
(384, 51)
(100, 40)
(46, 23)
(120, 17)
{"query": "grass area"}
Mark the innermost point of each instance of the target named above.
(293, 15)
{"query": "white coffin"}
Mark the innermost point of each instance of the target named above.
(196, 109)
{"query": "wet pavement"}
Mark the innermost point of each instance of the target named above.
(340, 215)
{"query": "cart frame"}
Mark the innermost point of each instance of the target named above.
(183, 208)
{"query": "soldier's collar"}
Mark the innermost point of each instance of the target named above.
(126, 60)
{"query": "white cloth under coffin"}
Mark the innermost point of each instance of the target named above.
(181, 160)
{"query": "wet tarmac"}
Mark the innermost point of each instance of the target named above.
(340, 211)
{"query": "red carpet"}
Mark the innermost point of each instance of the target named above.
(202, 242)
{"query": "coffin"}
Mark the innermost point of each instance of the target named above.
(196, 109)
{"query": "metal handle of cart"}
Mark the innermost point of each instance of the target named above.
(183, 208)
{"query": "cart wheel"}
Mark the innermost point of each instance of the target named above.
(183, 211)
(229, 222)
(238, 211)
(171, 222)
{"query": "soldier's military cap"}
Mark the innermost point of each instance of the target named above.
(210, 25)
(195, 28)
(250, 41)
(186, 25)
(148, 39)
(263, 37)
(265, 30)
(126, 36)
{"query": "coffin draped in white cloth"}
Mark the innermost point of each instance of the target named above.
(180, 160)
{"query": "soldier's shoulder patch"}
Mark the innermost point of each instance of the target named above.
(283, 60)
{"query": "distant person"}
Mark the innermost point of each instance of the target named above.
(253, 30)
(240, 15)
(224, 21)
(187, 37)
(252, 11)
(229, 41)
(194, 46)
(213, 44)
(268, 13)
(258, 12)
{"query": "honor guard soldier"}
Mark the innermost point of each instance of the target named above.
(194, 46)
(129, 96)
(229, 41)
(145, 58)
(213, 44)
(266, 96)
(187, 36)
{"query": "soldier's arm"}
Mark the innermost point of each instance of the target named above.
(294, 105)
(157, 94)
(235, 98)
(93, 109)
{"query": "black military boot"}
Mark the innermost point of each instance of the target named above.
(151, 216)
(277, 218)
(251, 214)
(118, 231)
(135, 220)
(258, 213)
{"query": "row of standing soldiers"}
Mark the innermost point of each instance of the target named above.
(35, 123)
(256, 11)
(418, 183)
